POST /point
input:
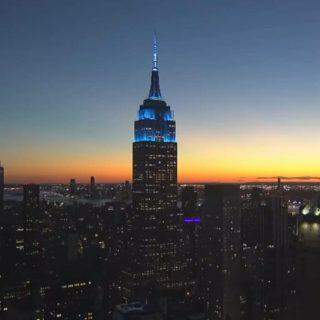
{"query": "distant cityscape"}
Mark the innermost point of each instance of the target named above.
(153, 249)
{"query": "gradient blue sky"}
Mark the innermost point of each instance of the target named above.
(242, 77)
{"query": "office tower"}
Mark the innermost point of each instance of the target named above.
(1, 187)
(275, 295)
(154, 193)
(92, 186)
(250, 216)
(188, 201)
(73, 186)
(127, 189)
(220, 247)
(250, 209)
(32, 224)
(124, 192)
(31, 196)
(191, 229)
(33, 245)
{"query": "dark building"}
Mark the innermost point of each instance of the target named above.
(154, 193)
(220, 247)
(250, 217)
(250, 210)
(191, 228)
(276, 272)
(31, 196)
(188, 201)
(32, 226)
(92, 186)
(73, 186)
(1, 187)
(127, 191)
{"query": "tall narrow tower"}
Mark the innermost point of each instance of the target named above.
(1, 187)
(154, 191)
(92, 186)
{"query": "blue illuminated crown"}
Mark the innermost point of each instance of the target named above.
(155, 119)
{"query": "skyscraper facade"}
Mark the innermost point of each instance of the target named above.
(32, 227)
(1, 186)
(276, 270)
(154, 191)
(220, 247)
(191, 230)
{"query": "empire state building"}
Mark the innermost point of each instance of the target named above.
(154, 245)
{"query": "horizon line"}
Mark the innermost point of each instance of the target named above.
(257, 181)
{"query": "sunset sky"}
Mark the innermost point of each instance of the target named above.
(242, 77)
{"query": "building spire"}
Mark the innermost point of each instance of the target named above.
(155, 93)
(155, 51)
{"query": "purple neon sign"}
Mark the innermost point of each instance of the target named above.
(192, 220)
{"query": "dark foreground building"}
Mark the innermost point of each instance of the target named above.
(268, 257)
(219, 267)
(276, 271)
(154, 245)
(1, 187)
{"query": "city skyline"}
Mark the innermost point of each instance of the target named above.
(246, 99)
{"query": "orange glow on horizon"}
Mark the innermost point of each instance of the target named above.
(190, 170)
(219, 159)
